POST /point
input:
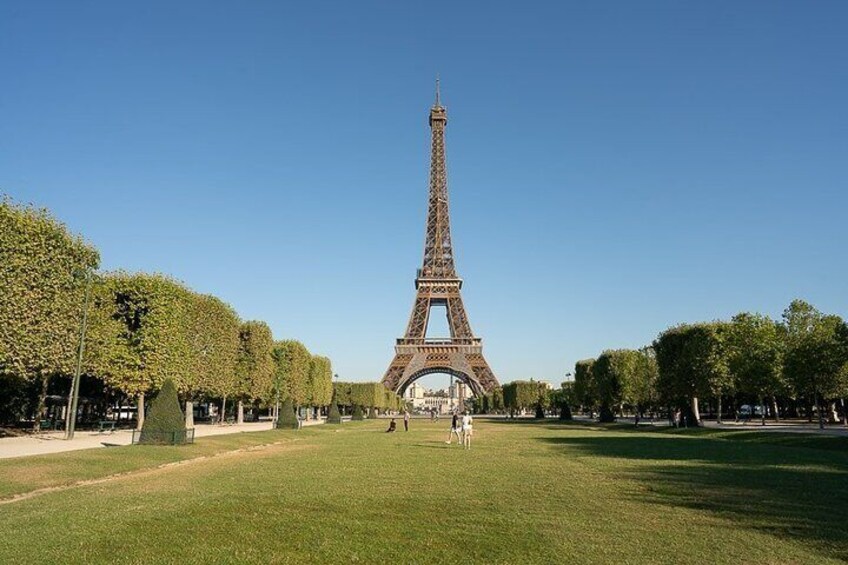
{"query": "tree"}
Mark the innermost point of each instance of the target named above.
(320, 381)
(255, 366)
(369, 396)
(524, 395)
(692, 362)
(166, 423)
(333, 414)
(42, 286)
(816, 351)
(642, 392)
(614, 375)
(756, 356)
(562, 398)
(287, 419)
(342, 392)
(292, 365)
(140, 333)
(585, 391)
(215, 344)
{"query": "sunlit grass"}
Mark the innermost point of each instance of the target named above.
(526, 492)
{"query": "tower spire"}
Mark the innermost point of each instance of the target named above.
(438, 97)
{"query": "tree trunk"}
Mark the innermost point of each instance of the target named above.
(240, 419)
(762, 412)
(42, 402)
(718, 416)
(140, 411)
(819, 410)
(223, 418)
(844, 414)
(808, 406)
(774, 407)
(189, 414)
(696, 414)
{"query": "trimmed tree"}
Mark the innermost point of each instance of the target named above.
(357, 413)
(333, 414)
(165, 425)
(287, 418)
(42, 286)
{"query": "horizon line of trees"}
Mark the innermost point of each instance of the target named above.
(141, 329)
(793, 366)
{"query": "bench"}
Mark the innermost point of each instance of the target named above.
(107, 424)
(54, 425)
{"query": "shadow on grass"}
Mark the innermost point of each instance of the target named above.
(782, 490)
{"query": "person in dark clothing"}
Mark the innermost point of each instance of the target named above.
(454, 429)
(392, 426)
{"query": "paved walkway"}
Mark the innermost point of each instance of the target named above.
(54, 442)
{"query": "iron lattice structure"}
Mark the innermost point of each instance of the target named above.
(437, 284)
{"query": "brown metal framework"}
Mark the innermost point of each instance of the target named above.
(437, 284)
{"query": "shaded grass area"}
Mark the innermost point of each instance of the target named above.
(525, 493)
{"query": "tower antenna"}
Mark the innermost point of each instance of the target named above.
(438, 97)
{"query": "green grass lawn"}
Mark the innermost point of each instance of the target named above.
(526, 493)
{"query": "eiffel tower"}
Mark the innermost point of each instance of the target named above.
(437, 284)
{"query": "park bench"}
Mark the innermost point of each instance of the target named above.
(106, 424)
(51, 425)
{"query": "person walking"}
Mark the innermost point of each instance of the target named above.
(467, 429)
(392, 426)
(406, 420)
(454, 429)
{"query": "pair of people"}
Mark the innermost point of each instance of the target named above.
(465, 426)
(393, 425)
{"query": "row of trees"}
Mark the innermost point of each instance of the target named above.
(141, 329)
(801, 359)
(369, 397)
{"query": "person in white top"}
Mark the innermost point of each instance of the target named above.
(467, 429)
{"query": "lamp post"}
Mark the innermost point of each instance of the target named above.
(73, 399)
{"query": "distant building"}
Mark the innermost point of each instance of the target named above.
(442, 401)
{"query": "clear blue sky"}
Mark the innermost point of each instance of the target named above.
(614, 168)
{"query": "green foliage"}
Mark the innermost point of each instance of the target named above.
(524, 395)
(585, 392)
(755, 358)
(357, 413)
(368, 395)
(333, 414)
(320, 381)
(255, 366)
(693, 362)
(287, 418)
(816, 351)
(215, 346)
(562, 399)
(42, 285)
(140, 333)
(165, 424)
(624, 376)
(293, 363)
(342, 393)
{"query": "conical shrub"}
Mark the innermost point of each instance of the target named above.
(165, 424)
(565, 412)
(287, 419)
(333, 414)
(357, 413)
(372, 413)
